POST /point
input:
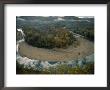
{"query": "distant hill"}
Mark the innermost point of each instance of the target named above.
(44, 23)
(83, 26)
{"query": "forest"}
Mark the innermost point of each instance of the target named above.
(53, 31)
(60, 38)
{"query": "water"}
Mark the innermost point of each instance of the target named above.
(38, 64)
(52, 62)
(20, 30)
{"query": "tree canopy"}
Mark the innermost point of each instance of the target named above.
(60, 38)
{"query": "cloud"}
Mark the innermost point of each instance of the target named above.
(86, 16)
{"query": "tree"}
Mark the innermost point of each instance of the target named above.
(60, 38)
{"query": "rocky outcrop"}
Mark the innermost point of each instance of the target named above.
(40, 65)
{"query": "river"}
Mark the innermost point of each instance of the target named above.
(40, 65)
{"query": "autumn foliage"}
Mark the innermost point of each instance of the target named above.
(60, 38)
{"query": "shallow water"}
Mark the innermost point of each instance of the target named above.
(42, 64)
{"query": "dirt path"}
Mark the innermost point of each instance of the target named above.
(85, 48)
